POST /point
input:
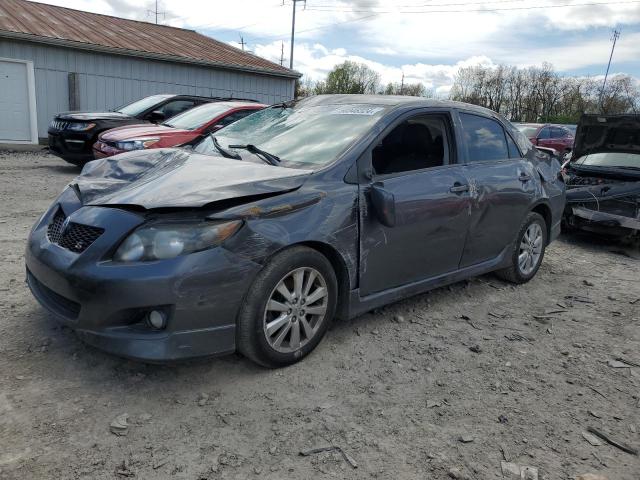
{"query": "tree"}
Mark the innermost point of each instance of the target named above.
(349, 77)
(411, 89)
(539, 94)
(303, 87)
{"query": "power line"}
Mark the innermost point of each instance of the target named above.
(374, 9)
(616, 35)
(156, 13)
(371, 15)
(293, 28)
(505, 9)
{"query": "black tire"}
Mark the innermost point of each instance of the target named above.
(514, 273)
(251, 338)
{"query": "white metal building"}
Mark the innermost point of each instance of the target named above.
(55, 59)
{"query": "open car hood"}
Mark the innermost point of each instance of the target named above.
(607, 133)
(166, 178)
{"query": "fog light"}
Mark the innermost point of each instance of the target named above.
(157, 319)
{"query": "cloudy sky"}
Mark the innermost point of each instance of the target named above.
(427, 40)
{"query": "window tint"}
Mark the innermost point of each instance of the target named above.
(557, 132)
(513, 149)
(136, 108)
(229, 119)
(175, 107)
(417, 143)
(197, 116)
(545, 133)
(305, 134)
(485, 138)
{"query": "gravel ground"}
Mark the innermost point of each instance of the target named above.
(446, 384)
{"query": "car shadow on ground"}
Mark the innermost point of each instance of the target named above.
(87, 360)
(590, 241)
(64, 169)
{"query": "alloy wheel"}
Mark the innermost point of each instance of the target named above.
(530, 249)
(295, 310)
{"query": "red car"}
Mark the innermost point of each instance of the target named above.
(550, 136)
(182, 129)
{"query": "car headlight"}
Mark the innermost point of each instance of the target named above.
(169, 240)
(80, 127)
(139, 144)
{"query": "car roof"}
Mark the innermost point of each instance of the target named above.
(394, 101)
(210, 99)
(234, 104)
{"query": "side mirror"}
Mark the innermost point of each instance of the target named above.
(156, 116)
(384, 205)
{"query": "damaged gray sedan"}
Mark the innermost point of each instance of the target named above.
(603, 176)
(256, 238)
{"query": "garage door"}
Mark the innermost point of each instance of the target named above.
(14, 102)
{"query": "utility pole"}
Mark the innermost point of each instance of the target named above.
(616, 35)
(242, 42)
(402, 85)
(282, 54)
(293, 27)
(156, 12)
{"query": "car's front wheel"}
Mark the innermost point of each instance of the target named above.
(288, 308)
(528, 250)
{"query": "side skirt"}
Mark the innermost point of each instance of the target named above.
(359, 305)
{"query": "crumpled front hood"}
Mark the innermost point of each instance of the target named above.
(84, 116)
(607, 133)
(166, 178)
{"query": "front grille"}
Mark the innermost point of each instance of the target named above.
(59, 124)
(75, 237)
(52, 300)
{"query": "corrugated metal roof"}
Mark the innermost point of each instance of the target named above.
(58, 25)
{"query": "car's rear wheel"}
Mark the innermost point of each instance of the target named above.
(528, 250)
(288, 308)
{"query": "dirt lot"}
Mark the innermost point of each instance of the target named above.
(446, 384)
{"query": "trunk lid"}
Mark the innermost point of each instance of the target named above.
(607, 133)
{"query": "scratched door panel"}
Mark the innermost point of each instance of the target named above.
(430, 230)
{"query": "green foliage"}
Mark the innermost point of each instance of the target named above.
(349, 77)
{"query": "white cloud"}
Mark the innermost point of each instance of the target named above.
(579, 54)
(315, 61)
(434, 44)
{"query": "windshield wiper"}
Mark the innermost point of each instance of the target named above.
(267, 157)
(223, 151)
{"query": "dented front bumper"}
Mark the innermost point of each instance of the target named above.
(106, 302)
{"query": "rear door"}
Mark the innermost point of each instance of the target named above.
(414, 163)
(502, 187)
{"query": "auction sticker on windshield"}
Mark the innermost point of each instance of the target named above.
(357, 110)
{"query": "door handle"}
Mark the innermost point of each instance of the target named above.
(457, 188)
(524, 177)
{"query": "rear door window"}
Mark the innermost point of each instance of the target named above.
(173, 108)
(545, 133)
(485, 138)
(235, 116)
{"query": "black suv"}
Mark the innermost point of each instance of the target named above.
(72, 134)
